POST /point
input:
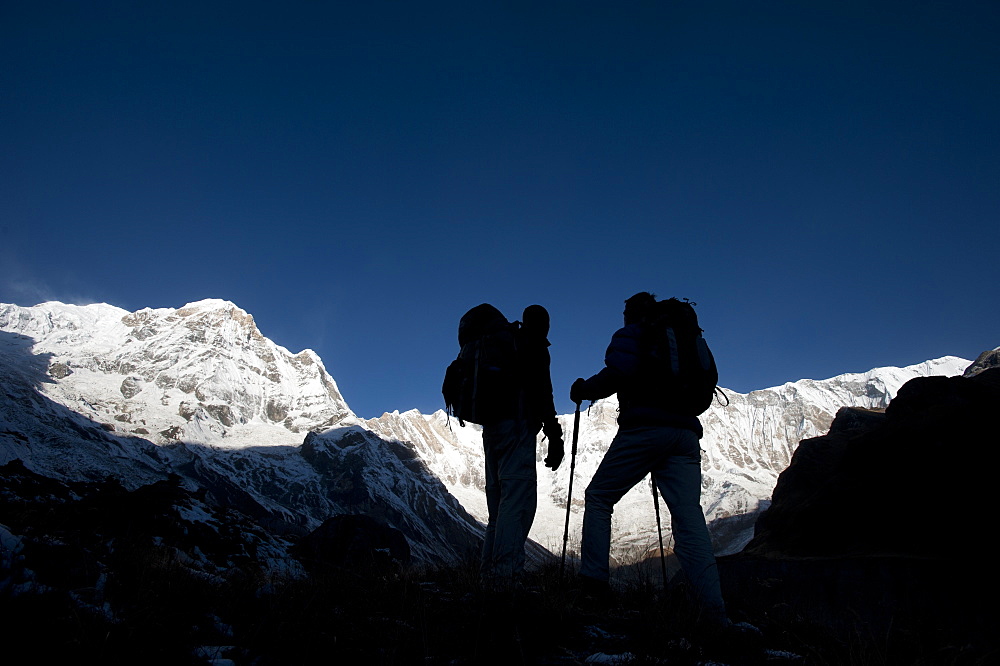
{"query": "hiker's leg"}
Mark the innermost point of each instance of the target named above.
(491, 442)
(624, 465)
(679, 481)
(518, 497)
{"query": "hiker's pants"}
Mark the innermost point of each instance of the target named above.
(673, 456)
(511, 495)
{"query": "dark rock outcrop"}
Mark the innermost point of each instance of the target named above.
(915, 480)
(882, 527)
(985, 361)
(358, 543)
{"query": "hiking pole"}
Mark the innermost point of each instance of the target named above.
(659, 530)
(569, 496)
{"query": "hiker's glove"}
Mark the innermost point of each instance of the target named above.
(554, 433)
(576, 391)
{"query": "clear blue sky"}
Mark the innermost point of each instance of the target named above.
(821, 177)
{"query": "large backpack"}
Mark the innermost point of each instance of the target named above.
(681, 363)
(483, 384)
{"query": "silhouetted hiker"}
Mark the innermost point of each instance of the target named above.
(662, 375)
(501, 381)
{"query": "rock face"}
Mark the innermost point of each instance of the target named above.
(985, 361)
(907, 481)
(881, 524)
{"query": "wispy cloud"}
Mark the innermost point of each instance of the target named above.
(20, 285)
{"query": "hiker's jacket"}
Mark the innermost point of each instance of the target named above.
(643, 397)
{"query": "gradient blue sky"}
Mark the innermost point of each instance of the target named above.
(821, 177)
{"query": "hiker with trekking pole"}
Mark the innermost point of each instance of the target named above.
(665, 377)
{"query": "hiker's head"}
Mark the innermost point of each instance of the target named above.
(638, 307)
(535, 321)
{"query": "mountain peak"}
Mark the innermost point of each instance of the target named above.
(211, 304)
(201, 374)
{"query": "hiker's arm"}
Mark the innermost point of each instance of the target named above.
(546, 403)
(621, 361)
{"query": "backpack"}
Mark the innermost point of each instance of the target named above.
(681, 364)
(483, 384)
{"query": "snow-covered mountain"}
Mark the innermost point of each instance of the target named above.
(203, 373)
(95, 391)
(92, 391)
